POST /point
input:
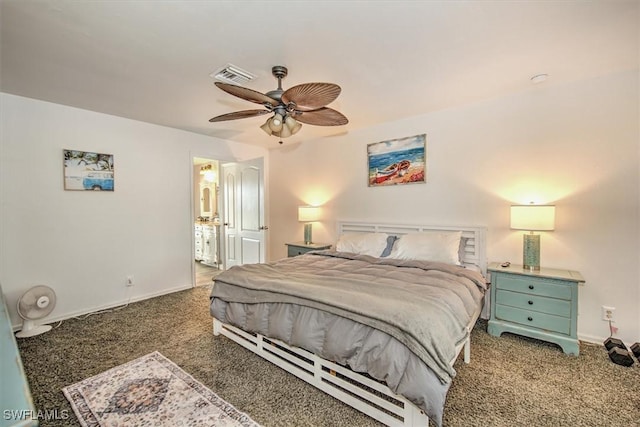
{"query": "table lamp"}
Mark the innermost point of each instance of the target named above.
(308, 214)
(532, 218)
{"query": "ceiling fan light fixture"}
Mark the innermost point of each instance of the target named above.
(275, 123)
(292, 124)
(266, 128)
(285, 132)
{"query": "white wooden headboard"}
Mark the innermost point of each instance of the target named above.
(474, 238)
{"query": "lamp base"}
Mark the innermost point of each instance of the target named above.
(307, 234)
(531, 252)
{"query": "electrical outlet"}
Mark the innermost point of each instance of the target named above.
(129, 281)
(608, 313)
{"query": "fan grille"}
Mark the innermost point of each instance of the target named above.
(37, 302)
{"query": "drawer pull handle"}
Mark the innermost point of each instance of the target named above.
(530, 286)
(530, 302)
(530, 319)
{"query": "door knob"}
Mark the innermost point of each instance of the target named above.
(264, 227)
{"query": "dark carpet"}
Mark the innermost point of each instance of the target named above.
(511, 380)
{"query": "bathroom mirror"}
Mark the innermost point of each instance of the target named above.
(208, 200)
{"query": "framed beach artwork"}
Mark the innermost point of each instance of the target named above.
(398, 161)
(84, 170)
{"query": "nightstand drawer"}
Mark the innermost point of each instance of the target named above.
(296, 250)
(558, 307)
(544, 321)
(542, 287)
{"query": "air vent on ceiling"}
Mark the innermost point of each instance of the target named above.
(232, 74)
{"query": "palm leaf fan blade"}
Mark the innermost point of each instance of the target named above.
(311, 96)
(247, 94)
(321, 117)
(238, 115)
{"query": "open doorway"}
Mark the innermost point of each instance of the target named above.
(229, 223)
(206, 220)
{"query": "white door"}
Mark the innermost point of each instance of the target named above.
(244, 228)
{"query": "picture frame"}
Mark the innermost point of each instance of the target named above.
(397, 161)
(86, 170)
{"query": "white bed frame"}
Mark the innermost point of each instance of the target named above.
(352, 388)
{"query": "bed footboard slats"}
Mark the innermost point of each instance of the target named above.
(356, 390)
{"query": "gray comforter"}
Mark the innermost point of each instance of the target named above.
(399, 321)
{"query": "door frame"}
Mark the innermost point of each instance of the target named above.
(192, 192)
(222, 159)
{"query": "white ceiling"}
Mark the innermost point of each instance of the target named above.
(151, 60)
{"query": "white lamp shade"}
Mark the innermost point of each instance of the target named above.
(533, 217)
(308, 213)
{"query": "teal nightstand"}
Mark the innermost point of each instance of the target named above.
(540, 304)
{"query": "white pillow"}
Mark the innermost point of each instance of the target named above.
(440, 246)
(372, 244)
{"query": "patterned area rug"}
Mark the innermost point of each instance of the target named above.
(150, 391)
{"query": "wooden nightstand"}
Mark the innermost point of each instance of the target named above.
(539, 304)
(299, 248)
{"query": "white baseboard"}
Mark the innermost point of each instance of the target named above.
(591, 339)
(582, 337)
(109, 306)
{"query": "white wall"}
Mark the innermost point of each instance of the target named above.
(85, 244)
(576, 146)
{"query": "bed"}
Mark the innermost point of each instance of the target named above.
(377, 323)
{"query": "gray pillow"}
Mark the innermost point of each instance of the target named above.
(387, 250)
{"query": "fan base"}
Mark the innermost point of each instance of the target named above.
(279, 71)
(33, 331)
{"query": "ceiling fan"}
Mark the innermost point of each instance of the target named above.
(305, 103)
